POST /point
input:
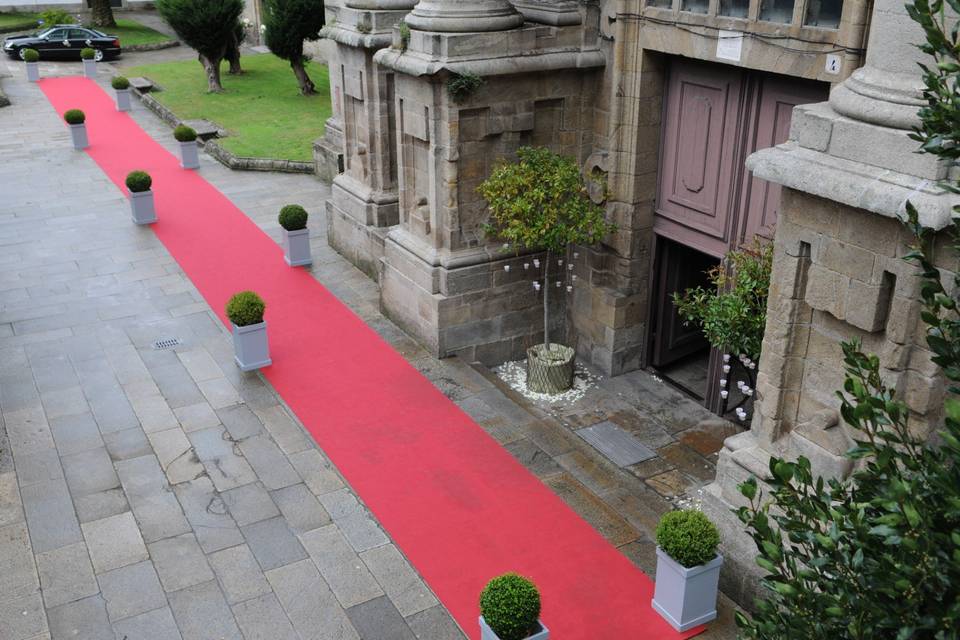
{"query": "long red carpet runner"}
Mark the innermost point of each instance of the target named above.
(455, 501)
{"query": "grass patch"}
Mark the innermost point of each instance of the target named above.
(132, 33)
(262, 109)
(18, 21)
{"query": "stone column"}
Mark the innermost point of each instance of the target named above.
(464, 16)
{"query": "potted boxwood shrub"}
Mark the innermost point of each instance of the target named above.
(540, 203)
(76, 120)
(187, 137)
(31, 57)
(296, 236)
(121, 88)
(141, 197)
(245, 311)
(688, 569)
(510, 610)
(89, 56)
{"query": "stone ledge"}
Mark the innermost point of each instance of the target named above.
(153, 46)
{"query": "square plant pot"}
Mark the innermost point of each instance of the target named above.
(250, 347)
(90, 68)
(486, 633)
(78, 133)
(33, 71)
(123, 99)
(296, 247)
(141, 207)
(189, 156)
(686, 597)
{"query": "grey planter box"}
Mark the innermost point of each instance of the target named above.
(486, 633)
(123, 99)
(78, 132)
(141, 207)
(686, 597)
(33, 71)
(250, 347)
(296, 247)
(189, 156)
(90, 68)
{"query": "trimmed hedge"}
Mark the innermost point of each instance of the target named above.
(246, 308)
(139, 181)
(87, 53)
(75, 116)
(510, 605)
(688, 537)
(31, 55)
(120, 83)
(293, 217)
(183, 133)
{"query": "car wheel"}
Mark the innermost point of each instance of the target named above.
(21, 53)
(98, 55)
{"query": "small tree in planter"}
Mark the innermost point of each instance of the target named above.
(121, 89)
(296, 236)
(245, 311)
(141, 197)
(89, 56)
(688, 569)
(187, 137)
(541, 203)
(510, 610)
(76, 120)
(31, 57)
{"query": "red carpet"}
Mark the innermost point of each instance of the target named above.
(455, 501)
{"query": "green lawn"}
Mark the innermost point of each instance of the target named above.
(18, 21)
(262, 109)
(132, 32)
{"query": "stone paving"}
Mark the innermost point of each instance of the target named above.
(163, 492)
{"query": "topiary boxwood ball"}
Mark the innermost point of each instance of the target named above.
(293, 217)
(510, 605)
(688, 537)
(31, 55)
(74, 116)
(87, 53)
(183, 133)
(120, 83)
(246, 308)
(138, 181)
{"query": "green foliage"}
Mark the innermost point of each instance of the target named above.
(119, 83)
(74, 116)
(404, 29)
(510, 605)
(138, 181)
(183, 133)
(31, 55)
(87, 53)
(688, 537)
(56, 16)
(732, 312)
(461, 86)
(288, 23)
(293, 217)
(246, 308)
(205, 25)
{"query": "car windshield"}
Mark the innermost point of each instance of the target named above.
(43, 32)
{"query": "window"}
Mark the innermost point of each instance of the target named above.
(776, 11)
(695, 6)
(79, 34)
(823, 13)
(734, 8)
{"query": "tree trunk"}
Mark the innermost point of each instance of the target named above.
(102, 13)
(212, 67)
(306, 84)
(233, 57)
(546, 304)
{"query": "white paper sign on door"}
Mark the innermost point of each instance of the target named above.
(729, 45)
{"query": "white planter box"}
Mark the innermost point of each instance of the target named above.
(486, 633)
(141, 207)
(189, 156)
(250, 347)
(90, 68)
(686, 597)
(78, 132)
(33, 71)
(296, 247)
(123, 99)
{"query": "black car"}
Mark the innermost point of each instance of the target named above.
(64, 42)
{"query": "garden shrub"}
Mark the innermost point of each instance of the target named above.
(510, 605)
(139, 181)
(87, 53)
(246, 308)
(183, 133)
(75, 116)
(688, 537)
(120, 83)
(56, 16)
(293, 217)
(31, 55)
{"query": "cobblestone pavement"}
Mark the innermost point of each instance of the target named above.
(163, 491)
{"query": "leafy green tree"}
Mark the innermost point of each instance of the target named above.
(102, 13)
(877, 555)
(209, 26)
(288, 23)
(540, 203)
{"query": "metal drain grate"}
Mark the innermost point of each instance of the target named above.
(622, 448)
(167, 343)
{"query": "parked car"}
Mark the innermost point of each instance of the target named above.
(64, 42)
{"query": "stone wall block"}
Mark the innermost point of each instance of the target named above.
(866, 305)
(847, 259)
(810, 128)
(824, 289)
